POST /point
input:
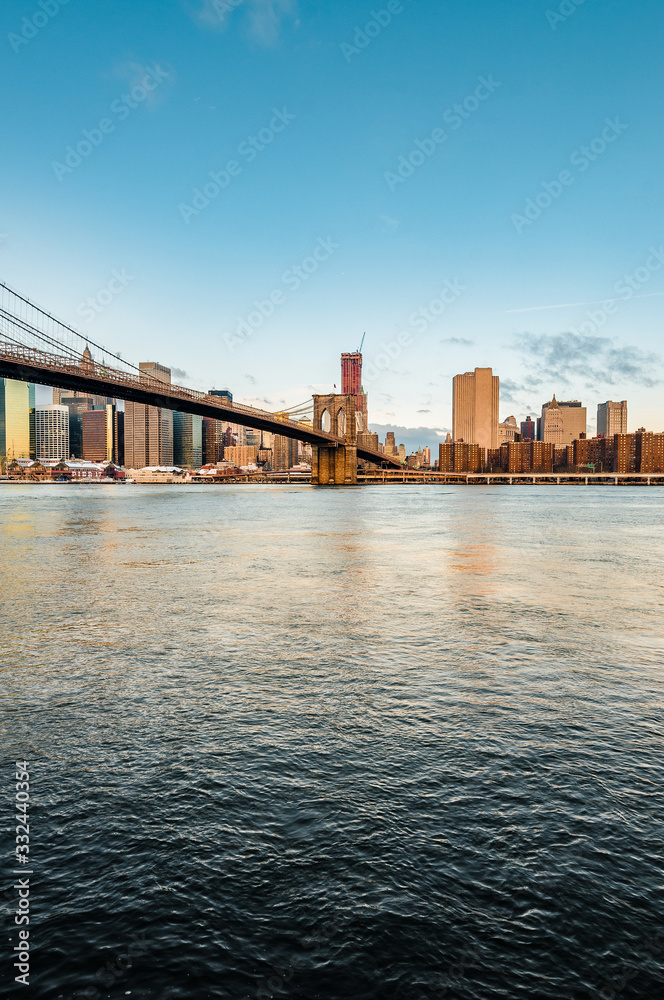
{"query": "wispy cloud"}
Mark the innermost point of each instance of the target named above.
(510, 391)
(574, 305)
(458, 341)
(570, 358)
(264, 17)
(133, 74)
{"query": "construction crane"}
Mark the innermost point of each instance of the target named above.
(359, 350)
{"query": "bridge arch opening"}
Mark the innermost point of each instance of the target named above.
(325, 421)
(341, 423)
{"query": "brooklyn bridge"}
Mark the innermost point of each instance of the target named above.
(37, 347)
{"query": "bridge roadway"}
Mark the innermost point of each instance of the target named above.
(513, 478)
(26, 364)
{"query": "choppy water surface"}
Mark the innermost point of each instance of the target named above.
(391, 742)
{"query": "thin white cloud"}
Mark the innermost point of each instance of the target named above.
(573, 305)
(265, 17)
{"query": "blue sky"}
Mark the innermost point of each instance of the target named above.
(500, 226)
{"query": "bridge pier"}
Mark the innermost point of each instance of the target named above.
(335, 465)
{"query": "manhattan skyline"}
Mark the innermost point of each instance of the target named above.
(497, 153)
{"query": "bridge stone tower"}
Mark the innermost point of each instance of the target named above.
(335, 465)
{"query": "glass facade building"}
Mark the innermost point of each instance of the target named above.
(17, 434)
(187, 440)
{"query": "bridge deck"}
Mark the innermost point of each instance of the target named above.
(28, 364)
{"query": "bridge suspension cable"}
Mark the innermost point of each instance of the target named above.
(25, 324)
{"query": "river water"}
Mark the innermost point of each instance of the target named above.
(384, 742)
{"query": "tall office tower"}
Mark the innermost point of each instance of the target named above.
(148, 430)
(187, 440)
(118, 436)
(391, 444)
(561, 422)
(351, 374)
(17, 404)
(99, 428)
(528, 429)
(52, 431)
(284, 449)
(612, 418)
(351, 385)
(213, 441)
(475, 400)
(284, 453)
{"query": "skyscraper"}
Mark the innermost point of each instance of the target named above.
(351, 385)
(213, 441)
(561, 422)
(351, 374)
(284, 449)
(475, 400)
(99, 428)
(528, 429)
(148, 430)
(187, 440)
(52, 431)
(612, 418)
(17, 402)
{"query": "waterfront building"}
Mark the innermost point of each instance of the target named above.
(426, 452)
(525, 456)
(187, 440)
(17, 420)
(148, 430)
(612, 418)
(52, 431)
(475, 401)
(649, 449)
(457, 456)
(624, 453)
